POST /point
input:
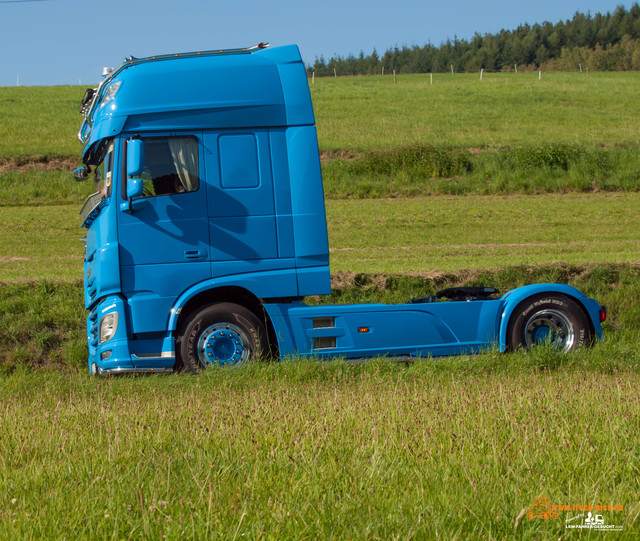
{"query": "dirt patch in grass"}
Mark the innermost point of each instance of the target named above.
(29, 163)
(607, 274)
(347, 155)
(344, 280)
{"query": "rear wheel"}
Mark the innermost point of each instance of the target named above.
(222, 334)
(549, 319)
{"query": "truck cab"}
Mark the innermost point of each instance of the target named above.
(209, 228)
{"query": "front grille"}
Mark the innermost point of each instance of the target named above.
(92, 328)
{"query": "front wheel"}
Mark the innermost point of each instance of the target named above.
(221, 334)
(555, 320)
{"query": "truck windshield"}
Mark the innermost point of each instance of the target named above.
(104, 171)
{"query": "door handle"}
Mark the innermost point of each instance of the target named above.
(195, 254)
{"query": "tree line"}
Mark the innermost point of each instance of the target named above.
(600, 42)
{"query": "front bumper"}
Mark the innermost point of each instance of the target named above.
(120, 354)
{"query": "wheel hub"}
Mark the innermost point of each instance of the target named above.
(223, 344)
(549, 327)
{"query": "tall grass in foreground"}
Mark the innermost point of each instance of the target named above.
(305, 450)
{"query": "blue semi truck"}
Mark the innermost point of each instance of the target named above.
(208, 229)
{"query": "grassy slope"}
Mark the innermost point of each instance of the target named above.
(444, 448)
(39, 121)
(364, 113)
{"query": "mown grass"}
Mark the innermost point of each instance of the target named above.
(502, 110)
(481, 232)
(41, 242)
(40, 121)
(368, 113)
(419, 235)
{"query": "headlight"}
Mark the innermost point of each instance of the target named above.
(108, 326)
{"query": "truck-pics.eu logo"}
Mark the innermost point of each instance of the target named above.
(590, 516)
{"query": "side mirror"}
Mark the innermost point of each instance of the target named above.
(134, 188)
(135, 166)
(81, 173)
(135, 157)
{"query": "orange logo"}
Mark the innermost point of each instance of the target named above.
(541, 508)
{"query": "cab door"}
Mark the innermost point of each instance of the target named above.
(164, 240)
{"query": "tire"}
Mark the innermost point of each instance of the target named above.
(221, 334)
(550, 318)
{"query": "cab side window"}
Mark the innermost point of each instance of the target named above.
(170, 166)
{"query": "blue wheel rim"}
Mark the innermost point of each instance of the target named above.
(223, 344)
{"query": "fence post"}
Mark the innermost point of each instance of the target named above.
(395, 80)
(481, 71)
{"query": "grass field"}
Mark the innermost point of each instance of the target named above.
(301, 450)
(39, 121)
(509, 133)
(452, 448)
(417, 235)
(356, 114)
(365, 113)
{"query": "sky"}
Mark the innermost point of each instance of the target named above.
(68, 42)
